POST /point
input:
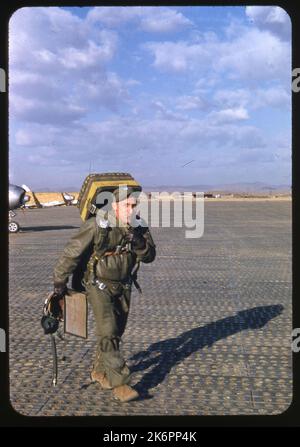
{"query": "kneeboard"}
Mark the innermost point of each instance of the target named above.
(76, 314)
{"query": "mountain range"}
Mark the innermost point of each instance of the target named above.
(254, 187)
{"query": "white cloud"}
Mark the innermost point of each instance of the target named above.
(253, 55)
(132, 83)
(150, 19)
(192, 103)
(70, 105)
(162, 112)
(36, 44)
(156, 135)
(60, 112)
(272, 18)
(230, 115)
(34, 29)
(157, 146)
(177, 56)
(232, 98)
(112, 16)
(276, 97)
(57, 74)
(255, 156)
(92, 54)
(102, 91)
(164, 21)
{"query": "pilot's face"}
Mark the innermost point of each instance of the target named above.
(125, 208)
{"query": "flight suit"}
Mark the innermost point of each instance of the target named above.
(107, 282)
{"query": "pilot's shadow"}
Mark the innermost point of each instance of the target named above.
(163, 355)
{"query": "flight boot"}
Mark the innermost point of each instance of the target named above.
(125, 393)
(101, 378)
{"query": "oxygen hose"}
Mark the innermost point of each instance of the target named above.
(54, 357)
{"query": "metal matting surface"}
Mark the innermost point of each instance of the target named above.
(209, 336)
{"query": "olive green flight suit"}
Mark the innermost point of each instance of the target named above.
(111, 303)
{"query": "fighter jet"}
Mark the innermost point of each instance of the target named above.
(17, 198)
(67, 199)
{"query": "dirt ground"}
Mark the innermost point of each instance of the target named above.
(57, 196)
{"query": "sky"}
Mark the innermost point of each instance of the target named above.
(172, 95)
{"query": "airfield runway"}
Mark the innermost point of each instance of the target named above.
(210, 335)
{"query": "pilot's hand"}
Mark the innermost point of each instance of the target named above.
(60, 289)
(136, 238)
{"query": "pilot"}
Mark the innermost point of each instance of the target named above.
(118, 248)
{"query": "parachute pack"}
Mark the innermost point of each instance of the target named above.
(94, 184)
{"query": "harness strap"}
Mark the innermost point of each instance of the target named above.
(124, 246)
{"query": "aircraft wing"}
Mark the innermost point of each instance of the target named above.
(36, 202)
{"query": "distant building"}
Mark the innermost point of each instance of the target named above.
(207, 195)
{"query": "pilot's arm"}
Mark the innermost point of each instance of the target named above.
(144, 246)
(70, 256)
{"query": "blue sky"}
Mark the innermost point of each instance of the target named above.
(146, 90)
